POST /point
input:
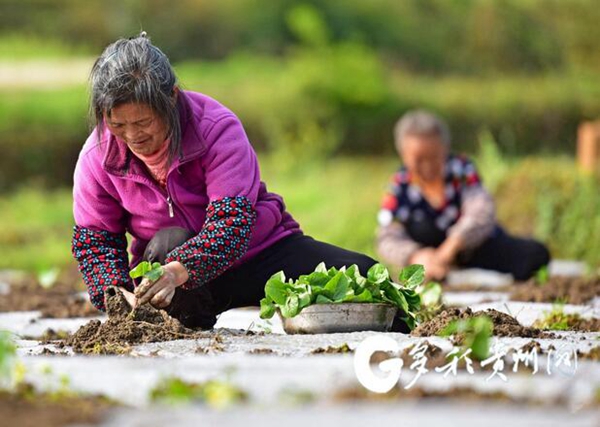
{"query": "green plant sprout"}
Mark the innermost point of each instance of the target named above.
(8, 351)
(542, 276)
(557, 319)
(431, 300)
(151, 271)
(346, 285)
(215, 393)
(476, 333)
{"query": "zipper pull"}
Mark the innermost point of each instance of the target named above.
(170, 203)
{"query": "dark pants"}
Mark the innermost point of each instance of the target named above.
(500, 252)
(245, 285)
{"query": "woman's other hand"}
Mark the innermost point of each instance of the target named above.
(160, 293)
(435, 267)
(129, 296)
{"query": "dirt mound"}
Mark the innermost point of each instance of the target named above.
(125, 328)
(504, 324)
(573, 290)
(62, 300)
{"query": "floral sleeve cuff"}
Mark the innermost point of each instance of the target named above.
(224, 239)
(103, 261)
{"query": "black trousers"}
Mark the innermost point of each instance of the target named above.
(500, 252)
(244, 285)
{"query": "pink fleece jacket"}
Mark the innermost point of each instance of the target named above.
(114, 193)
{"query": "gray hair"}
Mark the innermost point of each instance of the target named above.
(134, 70)
(421, 122)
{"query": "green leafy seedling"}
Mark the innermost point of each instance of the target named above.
(477, 332)
(431, 300)
(8, 352)
(542, 276)
(151, 271)
(215, 393)
(557, 319)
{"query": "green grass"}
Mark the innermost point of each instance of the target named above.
(23, 47)
(36, 232)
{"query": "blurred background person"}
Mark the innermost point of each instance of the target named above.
(438, 214)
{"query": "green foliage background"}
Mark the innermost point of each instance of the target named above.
(319, 85)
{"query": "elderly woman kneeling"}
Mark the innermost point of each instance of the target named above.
(438, 214)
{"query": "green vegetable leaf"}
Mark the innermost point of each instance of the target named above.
(378, 274)
(431, 294)
(276, 289)
(150, 271)
(412, 276)
(267, 309)
(291, 306)
(321, 268)
(318, 279)
(336, 288)
(322, 299)
(477, 332)
(395, 295)
(364, 296)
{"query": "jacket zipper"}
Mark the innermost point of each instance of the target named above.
(170, 204)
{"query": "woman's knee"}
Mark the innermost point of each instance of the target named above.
(534, 257)
(164, 241)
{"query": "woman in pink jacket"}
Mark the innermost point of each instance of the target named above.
(176, 171)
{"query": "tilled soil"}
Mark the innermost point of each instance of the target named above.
(28, 409)
(459, 394)
(62, 300)
(125, 328)
(572, 290)
(504, 325)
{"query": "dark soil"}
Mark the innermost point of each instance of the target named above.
(62, 300)
(341, 349)
(462, 395)
(29, 409)
(504, 324)
(593, 354)
(474, 287)
(262, 351)
(125, 328)
(572, 290)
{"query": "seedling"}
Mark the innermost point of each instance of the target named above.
(431, 301)
(215, 393)
(151, 271)
(346, 285)
(542, 276)
(557, 319)
(476, 332)
(8, 351)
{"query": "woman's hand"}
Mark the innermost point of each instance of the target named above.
(129, 296)
(160, 293)
(435, 267)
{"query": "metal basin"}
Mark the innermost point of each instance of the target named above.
(347, 317)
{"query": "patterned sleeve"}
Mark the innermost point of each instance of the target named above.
(478, 215)
(394, 245)
(103, 261)
(224, 238)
